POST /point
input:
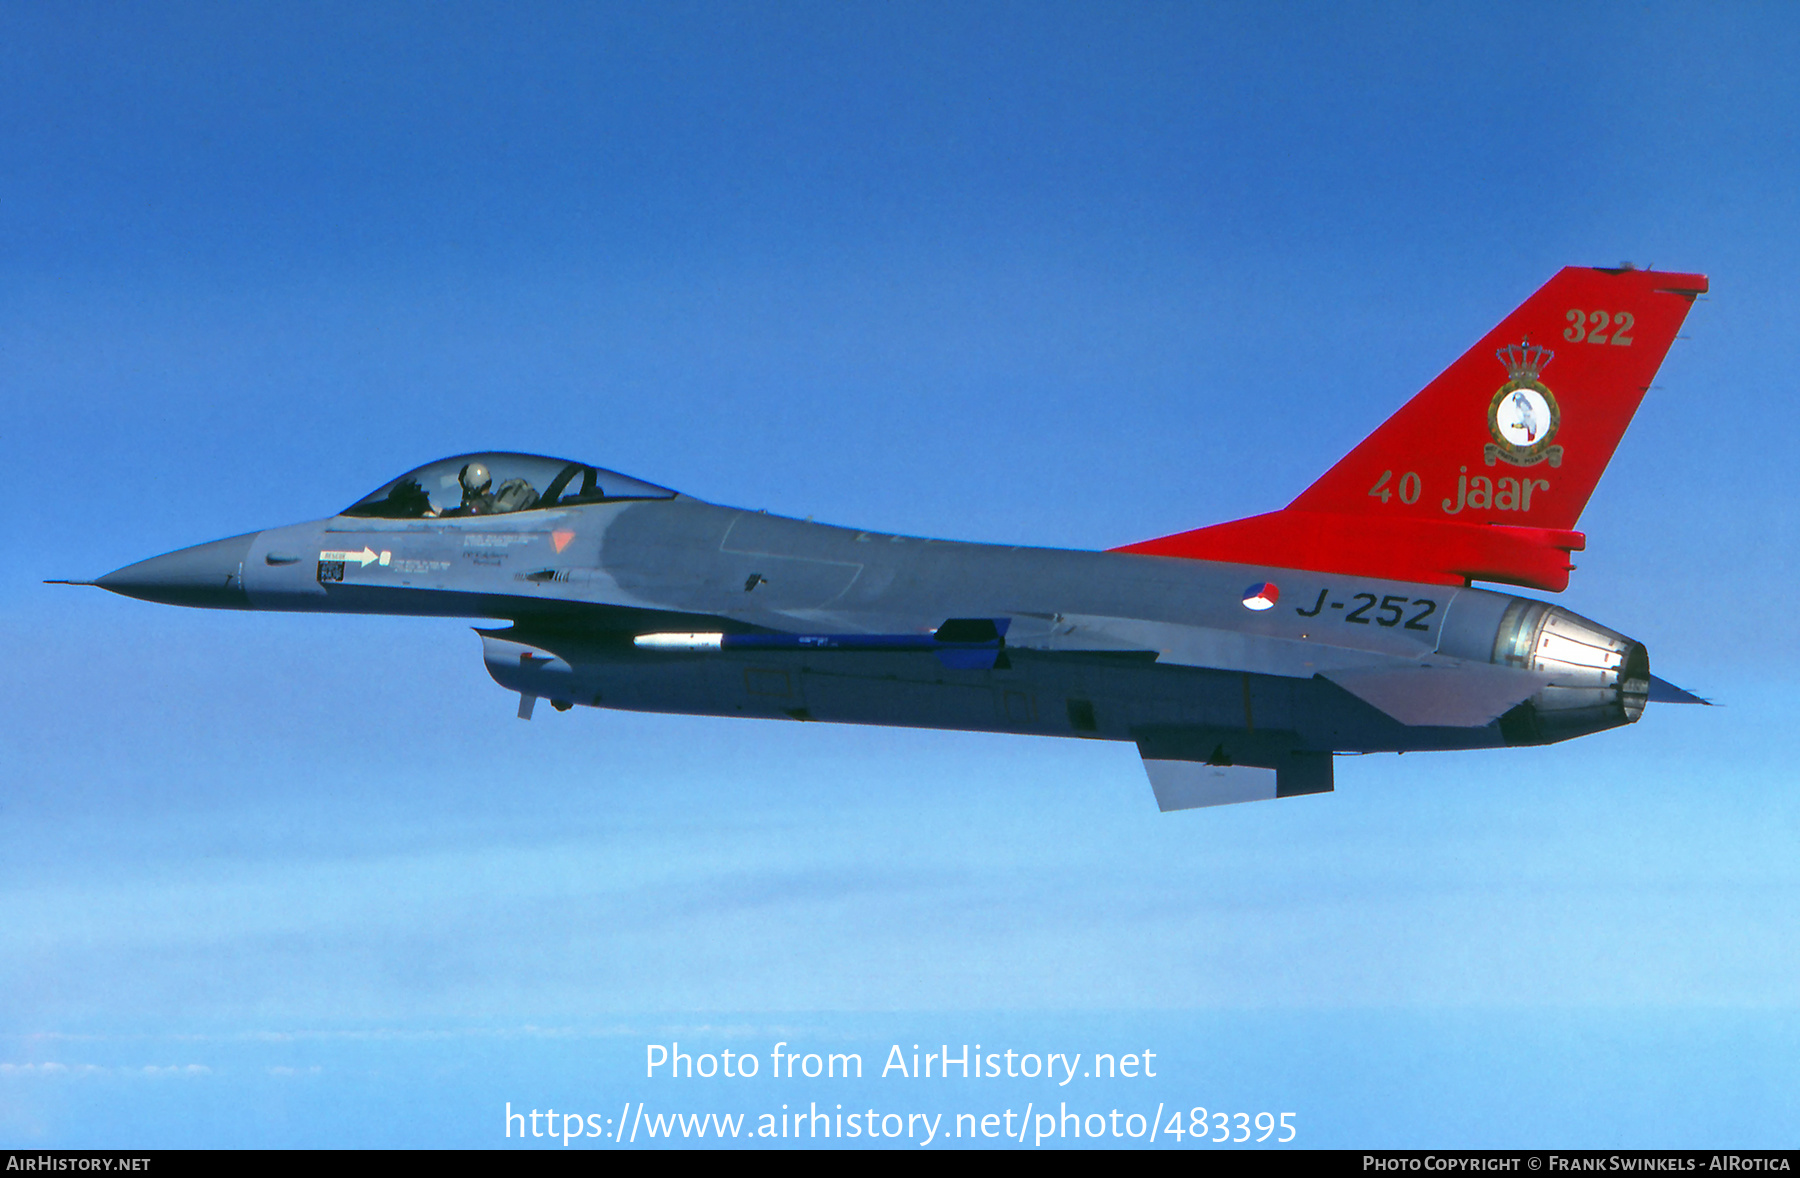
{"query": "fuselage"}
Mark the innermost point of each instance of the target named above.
(1097, 644)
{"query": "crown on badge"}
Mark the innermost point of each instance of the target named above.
(1524, 360)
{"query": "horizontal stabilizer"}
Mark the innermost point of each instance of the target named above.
(1428, 696)
(1664, 692)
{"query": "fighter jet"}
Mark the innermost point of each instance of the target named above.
(1238, 658)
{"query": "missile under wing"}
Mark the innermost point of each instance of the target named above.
(1238, 658)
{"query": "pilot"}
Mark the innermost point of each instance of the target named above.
(477, 498)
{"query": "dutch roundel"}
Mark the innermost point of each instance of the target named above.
(1260, 596)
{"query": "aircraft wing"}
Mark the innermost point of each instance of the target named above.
(1206, 646)
(1190, 767)
(1428, 692)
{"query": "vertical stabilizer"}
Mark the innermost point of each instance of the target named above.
(1483, 474)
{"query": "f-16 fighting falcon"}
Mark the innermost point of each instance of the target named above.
(1239, 658)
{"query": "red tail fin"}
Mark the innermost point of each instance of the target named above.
(1483, 474)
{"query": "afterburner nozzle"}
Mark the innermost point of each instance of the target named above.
(1599, 678)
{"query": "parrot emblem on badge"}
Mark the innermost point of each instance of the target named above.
(1523, 417)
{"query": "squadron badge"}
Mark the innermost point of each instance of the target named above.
(1523, 416)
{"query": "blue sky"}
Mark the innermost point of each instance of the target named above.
(1043, 274)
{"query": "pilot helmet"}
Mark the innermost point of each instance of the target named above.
(475, 478)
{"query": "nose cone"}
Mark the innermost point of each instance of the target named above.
(209, 575)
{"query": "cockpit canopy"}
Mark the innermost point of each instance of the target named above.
(515, 482)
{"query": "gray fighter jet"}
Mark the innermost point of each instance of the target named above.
(1238, 658)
